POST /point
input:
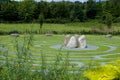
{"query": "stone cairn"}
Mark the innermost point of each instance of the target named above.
(75, 41)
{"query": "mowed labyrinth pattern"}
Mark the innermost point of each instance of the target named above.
(107, 51)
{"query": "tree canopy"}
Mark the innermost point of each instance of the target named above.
(57, 12)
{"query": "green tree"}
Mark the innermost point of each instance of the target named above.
(108, 20)
(41, 7)
(62, 10)
(52, 9)
(72, 17)
(112, 6)
(99, 8)
(91, 9)
(78, 9)
(115, 7)
(5, 0)
(41, 20)
(56, 12)
(26, 10)
(8, 11)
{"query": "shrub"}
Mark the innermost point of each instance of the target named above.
(108, 20)
(116, 20)
(107, 72)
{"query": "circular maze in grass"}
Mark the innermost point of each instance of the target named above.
(100, 51)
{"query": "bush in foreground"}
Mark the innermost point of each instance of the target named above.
(106, 72)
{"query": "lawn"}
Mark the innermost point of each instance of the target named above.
(33, 52)
(108, 51)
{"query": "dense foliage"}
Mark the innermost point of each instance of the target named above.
(57, 12)
(106, 72)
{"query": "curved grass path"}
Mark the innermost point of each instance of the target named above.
(108, 50)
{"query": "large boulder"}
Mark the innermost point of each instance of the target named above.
(82, 41)
(75, 41)
(77, 36)
(72, 42)
(66, 40)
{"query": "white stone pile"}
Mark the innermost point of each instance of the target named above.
(75, 41)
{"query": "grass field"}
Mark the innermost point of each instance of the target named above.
(86, 27)
(108, 51)
(21, 55)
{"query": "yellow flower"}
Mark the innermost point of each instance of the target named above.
(107, 72)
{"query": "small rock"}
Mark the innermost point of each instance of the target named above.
(108, 36)
(15, 34)
(48, 34)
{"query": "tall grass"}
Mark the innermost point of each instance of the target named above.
(18, 68)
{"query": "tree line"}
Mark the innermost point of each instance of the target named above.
(58, 12)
